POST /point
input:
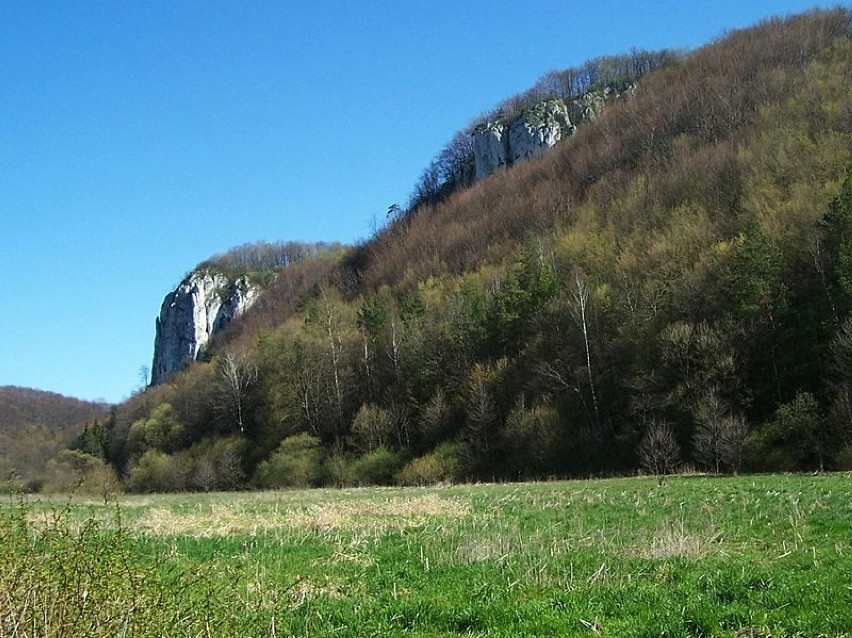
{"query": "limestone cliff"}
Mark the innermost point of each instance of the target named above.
(200, 307)
(504, 142)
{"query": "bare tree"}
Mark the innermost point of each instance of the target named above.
(434, 417)
(331, 324)
(205, 474)
(372, 428)
(659, 452)
(580, 313)
(229, 469)
(238, 373)
(719, 434)
(735, 432)
(707, 441)
(144, 375)
(482, 418)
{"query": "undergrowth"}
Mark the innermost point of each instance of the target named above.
(62, 576)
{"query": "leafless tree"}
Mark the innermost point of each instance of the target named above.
(580, 313)
(481, 415)
(238, 373)
(144, 374)
(229, 469)
(719, 434)
(205, 474)
(434, 417)
(372, 428)
(331, 323)
(659, 452)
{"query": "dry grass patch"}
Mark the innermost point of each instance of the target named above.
(675, 541)
(494, 542)
(219, 520)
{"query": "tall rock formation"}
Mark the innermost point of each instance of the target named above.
(505, 142)
(200, 307)
(490, 149)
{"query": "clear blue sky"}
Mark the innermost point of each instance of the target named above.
(139, 138)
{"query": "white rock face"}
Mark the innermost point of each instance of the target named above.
(498, 144)
(490, 151)
(590, 105)
(201, 306)
(537, 130)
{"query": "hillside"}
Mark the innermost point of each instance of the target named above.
(23, 406)
(35, 427)
(669, 286)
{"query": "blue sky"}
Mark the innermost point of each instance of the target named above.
(139, 138)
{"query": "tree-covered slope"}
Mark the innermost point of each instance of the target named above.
(22, 406)
(671, 285)
(35, 426)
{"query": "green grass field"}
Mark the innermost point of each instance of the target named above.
(697, 556)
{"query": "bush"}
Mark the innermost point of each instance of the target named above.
(75, 471)
(151, 473)
(337, 469)
(375, 468)
(298, 462)
(62, 577)
(217, 464)
(161, 431)
(439, 466)
(794, 439)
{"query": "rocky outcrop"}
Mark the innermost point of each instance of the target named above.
(490, 149)
(200, 307)
(537, 130)
(498, 144)
(501, 143)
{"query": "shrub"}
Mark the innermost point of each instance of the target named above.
(795, 438)
(439, 466)
(375, 468)
(217, 464)
(151, 473)
(161, 431)
(63, 577)
(72, 470)
(337, 469)
(298, 462)
(531, 439)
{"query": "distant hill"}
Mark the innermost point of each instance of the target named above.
(25, 406)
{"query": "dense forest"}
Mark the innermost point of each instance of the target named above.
(669, 288)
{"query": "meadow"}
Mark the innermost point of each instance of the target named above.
(748, 556)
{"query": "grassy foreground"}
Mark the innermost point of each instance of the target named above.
(699, 556)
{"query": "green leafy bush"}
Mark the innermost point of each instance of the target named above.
(62, 577)
(162, 431)
(153, 472)
(298, 462)
(79, 472)
(439, 466)
(375, 468)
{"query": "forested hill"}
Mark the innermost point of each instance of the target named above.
(671, 286)
(36, 428)
(23, 406)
